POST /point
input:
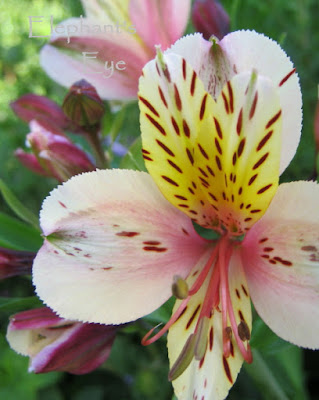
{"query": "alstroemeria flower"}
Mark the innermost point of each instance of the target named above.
(57, 344)
(118, 38)
(215, 140)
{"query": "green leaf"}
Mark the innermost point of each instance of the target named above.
(18, 236)
(15, 304)
(16, 381)
(17, 207)
(134, 159)
(264, 378)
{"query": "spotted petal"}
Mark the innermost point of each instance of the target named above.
(213, 375)
(216, 161)
(241, 51)
(111, 249)
(281, 259)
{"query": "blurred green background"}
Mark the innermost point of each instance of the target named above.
(135, 372)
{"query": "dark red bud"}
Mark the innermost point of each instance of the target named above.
(210, 18)
(83, 105)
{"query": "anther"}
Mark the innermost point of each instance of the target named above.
(228, 332)
(243, 331)
(179, 288)
(184, 359)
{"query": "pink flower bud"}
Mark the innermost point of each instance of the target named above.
(83, 105)
(53, 155)
(57, 344)
(14, 262)
(210, 18)
(32, 106)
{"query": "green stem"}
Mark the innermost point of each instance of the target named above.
(95, 143)
(233, 15)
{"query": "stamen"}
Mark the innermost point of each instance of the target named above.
(243, 331)
(201, 334)
(229, 332)
(179, 288)
(224, 257)
(223, 264)
(184, 359)
(194, 289)
(146, 341)
(202, 276)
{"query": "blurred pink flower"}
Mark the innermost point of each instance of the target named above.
(32, 106)
(14, 262)
(110, 46)
(57, 344)
(54, 155)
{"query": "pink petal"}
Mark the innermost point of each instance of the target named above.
(124, 55)
(159, 21)
(114, 244)
(281, 258)
(33, 319)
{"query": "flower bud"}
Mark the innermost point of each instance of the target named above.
(210, 18)
(14, 262)
(83, 105)
(57, 344)
(32, 106)
(53, 155)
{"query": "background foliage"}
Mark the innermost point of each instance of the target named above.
(280, 370)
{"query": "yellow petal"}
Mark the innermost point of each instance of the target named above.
(218, 162)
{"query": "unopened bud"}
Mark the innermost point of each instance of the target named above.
(210, 18)
(179, 288)
(56, 344)
(83, 105)
(32, 106)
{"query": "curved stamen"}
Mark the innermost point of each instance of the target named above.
(146, 341)
(223, 266)
(202, 276)
(225, 254)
